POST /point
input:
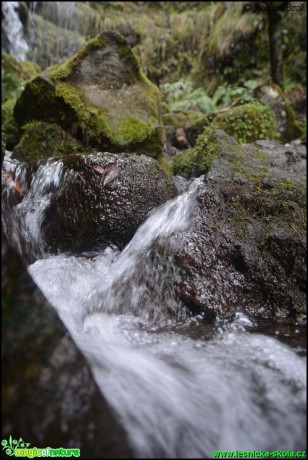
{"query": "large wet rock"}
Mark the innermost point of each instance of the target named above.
(79, 202)
(244, 249)
(247, 249)
(49, 397)
(100, 96)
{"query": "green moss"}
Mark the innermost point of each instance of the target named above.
(14, 74)
(246, 123)
(92, 121)
(45, 140)
(63, 71)
(9, 125)
(197, 161)
(131, 130)
(181, 118)
(166, 166)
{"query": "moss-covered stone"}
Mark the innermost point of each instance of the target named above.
(197, 161)
(100, 96)
(284, 117)
(45, 140)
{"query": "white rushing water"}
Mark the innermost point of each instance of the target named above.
(13, 28)
(24, 221)
(176, 396)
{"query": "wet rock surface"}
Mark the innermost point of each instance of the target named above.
(80, 202)
(49, 395)
(245, 249)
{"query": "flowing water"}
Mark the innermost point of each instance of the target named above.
(180, 388)
(13, 29)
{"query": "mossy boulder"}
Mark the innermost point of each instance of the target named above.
(100, 96)
(78, 210)
(44, 140)
(284, 117)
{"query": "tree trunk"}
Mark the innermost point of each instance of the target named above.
(275, 41)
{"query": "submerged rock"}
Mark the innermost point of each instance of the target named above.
(49, 395)
(80, 202)
(100, 96)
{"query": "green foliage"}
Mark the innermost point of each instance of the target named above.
(14, 74)
(179, 96)
(247, 123)
(9, 126)
(226, 93)
(196, 100)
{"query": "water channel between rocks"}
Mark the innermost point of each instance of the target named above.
(180, 389)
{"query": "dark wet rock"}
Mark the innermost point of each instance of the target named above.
(49, 396)
(100, 96)
(83, 205)
(245, 248)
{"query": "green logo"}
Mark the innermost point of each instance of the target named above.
(10, 445)
(21, 449)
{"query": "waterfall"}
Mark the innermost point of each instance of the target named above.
(184, 388)
(12, 26)
(54, 31)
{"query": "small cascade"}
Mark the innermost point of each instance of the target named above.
(176, 395)
(13, 29)
(22, 222)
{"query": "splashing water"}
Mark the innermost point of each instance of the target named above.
(176, 395)
(22, 223)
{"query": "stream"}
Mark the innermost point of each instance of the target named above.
(180, 387)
